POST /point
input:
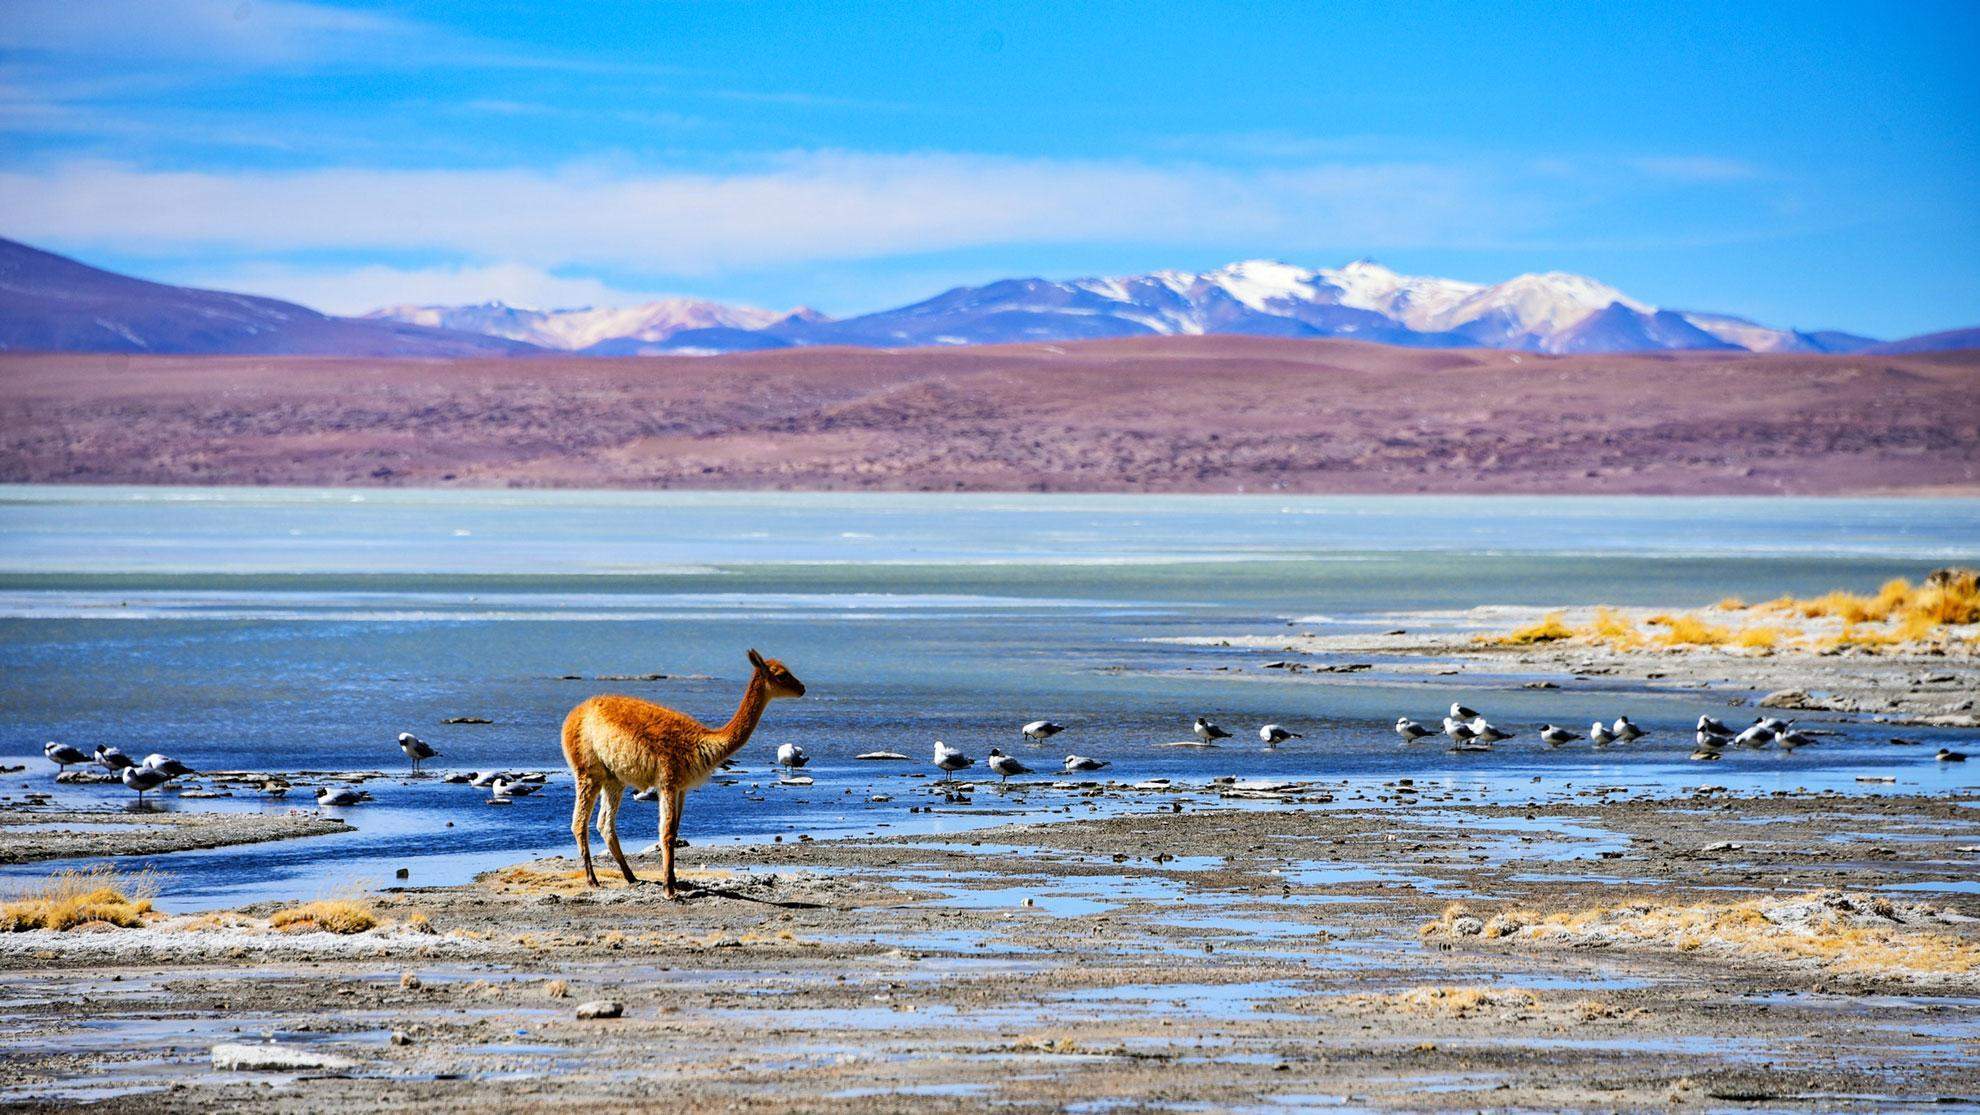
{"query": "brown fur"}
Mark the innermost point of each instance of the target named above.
(612, 742)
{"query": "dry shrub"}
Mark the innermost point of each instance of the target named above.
(1761, 637)
(1551, 628)
(71, 898)
(328, 915)
(1953, 600)
(1691, 631)
(1615, 629)
(1457, 1002)
(1730, 604)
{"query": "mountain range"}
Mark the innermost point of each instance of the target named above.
(51, 303)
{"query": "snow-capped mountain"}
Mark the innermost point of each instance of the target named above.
(607, 329)
(1363, 300)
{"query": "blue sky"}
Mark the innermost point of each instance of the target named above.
(1814, 165)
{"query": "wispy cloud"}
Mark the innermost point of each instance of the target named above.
(354, 290)
(788, 209)
(1696, 168)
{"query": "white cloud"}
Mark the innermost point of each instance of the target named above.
(359, 289)
(258, 32)
(790, 209)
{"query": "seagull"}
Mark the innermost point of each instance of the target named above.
(275, 788)
(1759, 735)
(1082, 762)
(1774, 724)
(339, 795)
(1484, 730)
(1714, 726)
(62, 755)
(142, 779)
(487, 778)
(1006, 765)
(1947, 755)
(1207, 731)
(1793, 738)
(790, 756)
(113, 759)
(1039, 730)
(1709, 742)
(1599, 734)
(172, 768)
(415, 748)
(1410, 730)
(505, 789)
(1557, 736)
(1458, 730)
(458, 777)
(1624, 730)
(1274, 735)
(950, 759)
(1462, 712)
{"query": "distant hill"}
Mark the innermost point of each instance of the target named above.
(1947, 341)
(50, 303)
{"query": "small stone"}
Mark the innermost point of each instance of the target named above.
(600, 1008)
(409, 982)
(403, 873)
(400, 1037)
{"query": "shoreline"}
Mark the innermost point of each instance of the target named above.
(1212, 955)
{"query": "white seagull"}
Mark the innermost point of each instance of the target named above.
(1599, 734)
(1759, 735)
(487, 778)
(62, 755)
(950, 759)
(1039, 730)
(1083, 762)
(1707, 741)
(339, 795)
(1274, 735)
(1458, 730)
(1207, 731)
(173, 768)
(113, 759)
(1005, 765)
(505, 789)
(1410, 730)
(1713, 725)
(790, 756)
(1793, 738)
(1484, 730)
(1556, 736)
(1624, 730)
(415, 748)
(142, 779)
(1462, 712)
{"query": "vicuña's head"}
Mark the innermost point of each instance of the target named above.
(782, 682)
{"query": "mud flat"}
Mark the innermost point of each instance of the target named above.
(29, 834)
(1700, 951)
(1926, 685)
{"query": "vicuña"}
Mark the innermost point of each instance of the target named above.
(612, 742)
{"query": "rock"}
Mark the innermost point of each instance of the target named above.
(402, 873)
(1785, 698)
(409, 981)
(274, 1058)
(1541, 685)
(882, 756)
(1466, 925)
(600, 1008)
(467, 720)
(400, 1037)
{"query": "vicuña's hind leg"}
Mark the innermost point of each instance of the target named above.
(608, 825)
(670, 831)
(587, 792)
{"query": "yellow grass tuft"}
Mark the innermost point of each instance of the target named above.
(1689, 630)
(1456, 1002)
(328, 915)
(1730, 604)
(1615, 629)
(71, 898)
(1551, 628)
(1759, 637)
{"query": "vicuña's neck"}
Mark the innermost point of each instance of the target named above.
(736, 732)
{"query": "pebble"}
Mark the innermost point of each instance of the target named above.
(600, 1008)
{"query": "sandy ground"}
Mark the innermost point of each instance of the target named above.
(1301, 955)
(1174, 414)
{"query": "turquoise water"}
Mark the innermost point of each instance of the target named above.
(302, 630)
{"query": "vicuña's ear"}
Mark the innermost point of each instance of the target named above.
(757, 659)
